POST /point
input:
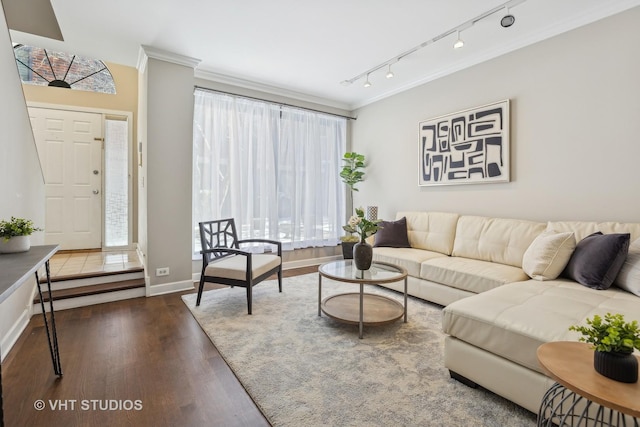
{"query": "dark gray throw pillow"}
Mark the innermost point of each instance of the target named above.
(393, 234)
(597, 259)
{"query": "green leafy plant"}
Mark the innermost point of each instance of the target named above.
(17, 227)
(361, 225)
(352, 171)
(611, 334)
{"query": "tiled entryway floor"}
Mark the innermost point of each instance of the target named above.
(78, 263)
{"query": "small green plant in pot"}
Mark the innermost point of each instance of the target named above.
(613, 340)
(14, 234)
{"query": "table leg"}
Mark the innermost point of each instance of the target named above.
(319, 293)
(52, 335)
(361, 309)
(1, 410)
(405, 300)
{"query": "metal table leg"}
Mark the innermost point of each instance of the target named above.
(319, 293)
(405, 300)
(52, 335)
(361, 309)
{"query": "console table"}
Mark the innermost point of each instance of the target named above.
(15, 270)
(581, 396)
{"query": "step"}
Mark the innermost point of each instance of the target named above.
(98, 278)
(81, 291)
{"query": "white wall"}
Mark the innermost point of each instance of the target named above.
(21, 181)
(575, 131)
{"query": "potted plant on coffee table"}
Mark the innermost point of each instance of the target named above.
(14, 235)
(613, 340)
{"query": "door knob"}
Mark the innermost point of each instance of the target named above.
(96, 191)
(96, 172)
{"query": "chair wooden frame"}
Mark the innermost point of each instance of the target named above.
(219, 239)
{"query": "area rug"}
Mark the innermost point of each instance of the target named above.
(306, 370)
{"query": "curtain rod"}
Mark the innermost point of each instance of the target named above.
(282, 104)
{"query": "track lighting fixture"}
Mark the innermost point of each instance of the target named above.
(459, 43)
(506, 21)
(389, 73)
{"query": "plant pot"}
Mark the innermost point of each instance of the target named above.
(362, 255)
(347, 250)
(14, 244)
(621, 367)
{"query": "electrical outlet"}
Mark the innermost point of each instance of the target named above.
(164, 271)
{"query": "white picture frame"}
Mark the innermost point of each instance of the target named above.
(467, 147)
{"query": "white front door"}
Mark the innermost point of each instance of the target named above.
(70, 150)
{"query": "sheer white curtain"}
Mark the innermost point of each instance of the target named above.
(272, 168)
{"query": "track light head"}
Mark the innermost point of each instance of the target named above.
(459, 43)
(389, 73)
(367, 83)
(507, 21)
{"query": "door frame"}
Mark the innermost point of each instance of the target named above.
(107, 113)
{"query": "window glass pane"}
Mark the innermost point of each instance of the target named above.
(116, 183)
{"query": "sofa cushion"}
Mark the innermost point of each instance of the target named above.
(392, 234)
(597, 259)
(548, 255)
(433, 231)
(582, 229)
(495, 239)
(409, 258)
(513, 320)
(470, 274)
(629, 276)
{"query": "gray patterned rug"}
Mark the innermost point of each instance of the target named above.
(305, 370)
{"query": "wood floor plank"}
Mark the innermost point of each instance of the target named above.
(146, 349)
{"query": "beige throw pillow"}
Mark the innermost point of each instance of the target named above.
(629, 276)
(548, 255)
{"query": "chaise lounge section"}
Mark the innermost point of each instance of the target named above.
(495, 314)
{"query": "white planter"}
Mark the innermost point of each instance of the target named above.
(14, 244)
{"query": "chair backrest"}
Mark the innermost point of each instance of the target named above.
(220, 233)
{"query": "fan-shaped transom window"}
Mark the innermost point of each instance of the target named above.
(38, 66)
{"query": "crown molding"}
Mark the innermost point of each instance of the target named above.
(146, 52)
(274, 90)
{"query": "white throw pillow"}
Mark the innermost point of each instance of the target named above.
(629, 276)
(548, 255)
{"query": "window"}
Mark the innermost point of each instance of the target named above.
(275, 169)
(116, 182)
(43, 67)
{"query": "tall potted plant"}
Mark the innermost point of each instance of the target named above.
(14, 235)
(351, 174)
(613, 340)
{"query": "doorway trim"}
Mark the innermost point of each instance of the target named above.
(104, 113)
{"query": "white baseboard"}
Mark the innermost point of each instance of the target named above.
(9, 340)
(167, 288)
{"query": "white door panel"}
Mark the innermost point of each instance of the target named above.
(70, 150)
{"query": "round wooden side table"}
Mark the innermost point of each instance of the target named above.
(581, 396)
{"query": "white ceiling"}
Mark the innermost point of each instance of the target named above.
(303, 48)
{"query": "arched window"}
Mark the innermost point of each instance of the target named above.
(44, 67)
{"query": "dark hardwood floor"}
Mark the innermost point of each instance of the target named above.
(138, 362)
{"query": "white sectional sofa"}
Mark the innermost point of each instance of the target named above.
(496, 315)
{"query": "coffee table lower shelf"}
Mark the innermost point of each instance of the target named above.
(377, 309)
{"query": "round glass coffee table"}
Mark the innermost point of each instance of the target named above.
(362, 308)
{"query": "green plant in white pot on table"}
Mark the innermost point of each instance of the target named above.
(14, 235)
(613, 340)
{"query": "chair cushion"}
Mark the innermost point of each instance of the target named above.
(470, 274)
(409, 258)
(235, 266)
(513, 320)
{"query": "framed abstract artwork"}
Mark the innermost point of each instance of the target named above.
(467, 147)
